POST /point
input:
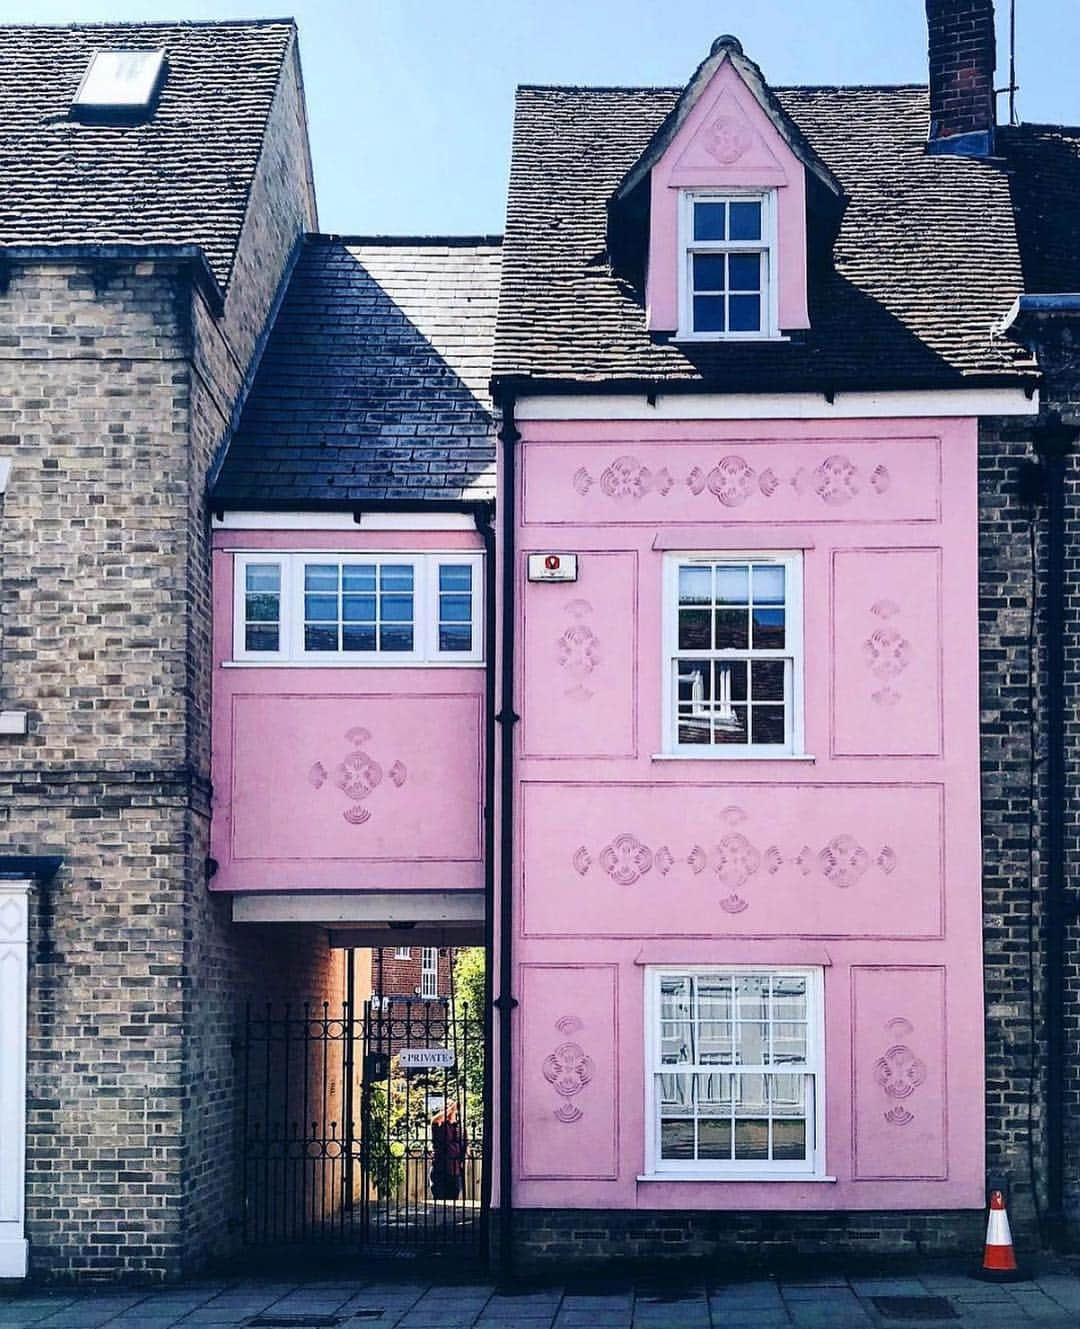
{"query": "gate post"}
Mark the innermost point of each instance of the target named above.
(348, 1030)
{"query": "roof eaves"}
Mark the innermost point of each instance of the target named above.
(97, 252)
(527, 385)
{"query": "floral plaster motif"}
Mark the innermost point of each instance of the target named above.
(727, 139)
(626, 859)
(735, 860)
(357, 775)
(899, 1073)
(733, 481)
(568, 1069)
(887, 653)
(578, 650)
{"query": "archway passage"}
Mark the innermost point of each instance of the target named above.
(363, 1122)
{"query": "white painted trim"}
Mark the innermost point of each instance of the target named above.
(343, 521)
(815, 1067)
(5, 473)
(12, 722)
(767, 247)
(291, 651)
(14, 937)
(727, 1181)
(794, 745)
(345, 907)
(778, 405)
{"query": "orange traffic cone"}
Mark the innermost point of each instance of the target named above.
(999, 1258)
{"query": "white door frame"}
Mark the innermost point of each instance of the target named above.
(14, 938)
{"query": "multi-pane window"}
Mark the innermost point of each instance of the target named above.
(735, 1073)
(726, 253)
(262, 607)
(359, 606)
(358, 609)
(403, 953)
(429, 971)
(732, 655)
(455, 607)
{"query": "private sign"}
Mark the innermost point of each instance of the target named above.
(417, 1058)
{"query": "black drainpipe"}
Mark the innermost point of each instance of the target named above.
(1054, 442)
(506, 718)
(485, 527)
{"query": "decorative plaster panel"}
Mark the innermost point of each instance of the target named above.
(898, 1072)
(568, 1119)
(886, 652)
(363, 777)
(836, 860)
(579, 661)
(811, 481)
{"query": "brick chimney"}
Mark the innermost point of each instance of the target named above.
(962, 58)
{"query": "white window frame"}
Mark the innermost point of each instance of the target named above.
(402, 952)
(794, 744)
(291, 651)
(240, 648)
(429, 972)
(813, 1168)
(767, 246)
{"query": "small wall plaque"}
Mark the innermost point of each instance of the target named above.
(553, 567)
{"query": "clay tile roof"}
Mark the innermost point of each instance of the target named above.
(925, 262)
(181, 176)
(374, 380)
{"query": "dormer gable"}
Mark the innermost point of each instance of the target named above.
(726, 182)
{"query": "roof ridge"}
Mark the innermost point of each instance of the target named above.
(152, 23)
(776, 87)
(1041, 124)
(333, 237)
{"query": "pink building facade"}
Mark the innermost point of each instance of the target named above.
(807, 909)
(712, 803)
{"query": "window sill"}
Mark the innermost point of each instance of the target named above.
(351, 664)
(728, 337)
(729, 1178)
(805, 757)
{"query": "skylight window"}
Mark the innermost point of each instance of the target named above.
(121, 81)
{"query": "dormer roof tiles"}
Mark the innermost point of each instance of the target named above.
(925, 263)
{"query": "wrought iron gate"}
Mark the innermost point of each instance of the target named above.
(366, 1131)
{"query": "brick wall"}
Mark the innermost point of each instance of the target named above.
(961, 58)
(115, 398)
(224, 964)
(395, 976)
(556, 1241)
(1014, 884)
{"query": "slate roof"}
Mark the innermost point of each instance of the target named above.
(180, 177)
(1045, 164)
(374, 380)
(926, 260)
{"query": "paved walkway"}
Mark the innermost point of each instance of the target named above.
(936, 1295)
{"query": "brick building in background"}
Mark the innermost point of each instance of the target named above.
(142, 255)
(159, 307)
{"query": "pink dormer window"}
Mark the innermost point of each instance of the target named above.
(727, 249)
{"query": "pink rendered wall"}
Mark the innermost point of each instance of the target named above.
(727, 141)
(275, 827)
(863, 859)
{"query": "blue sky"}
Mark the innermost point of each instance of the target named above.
(410, 101)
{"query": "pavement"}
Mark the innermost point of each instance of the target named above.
(936, 1294)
